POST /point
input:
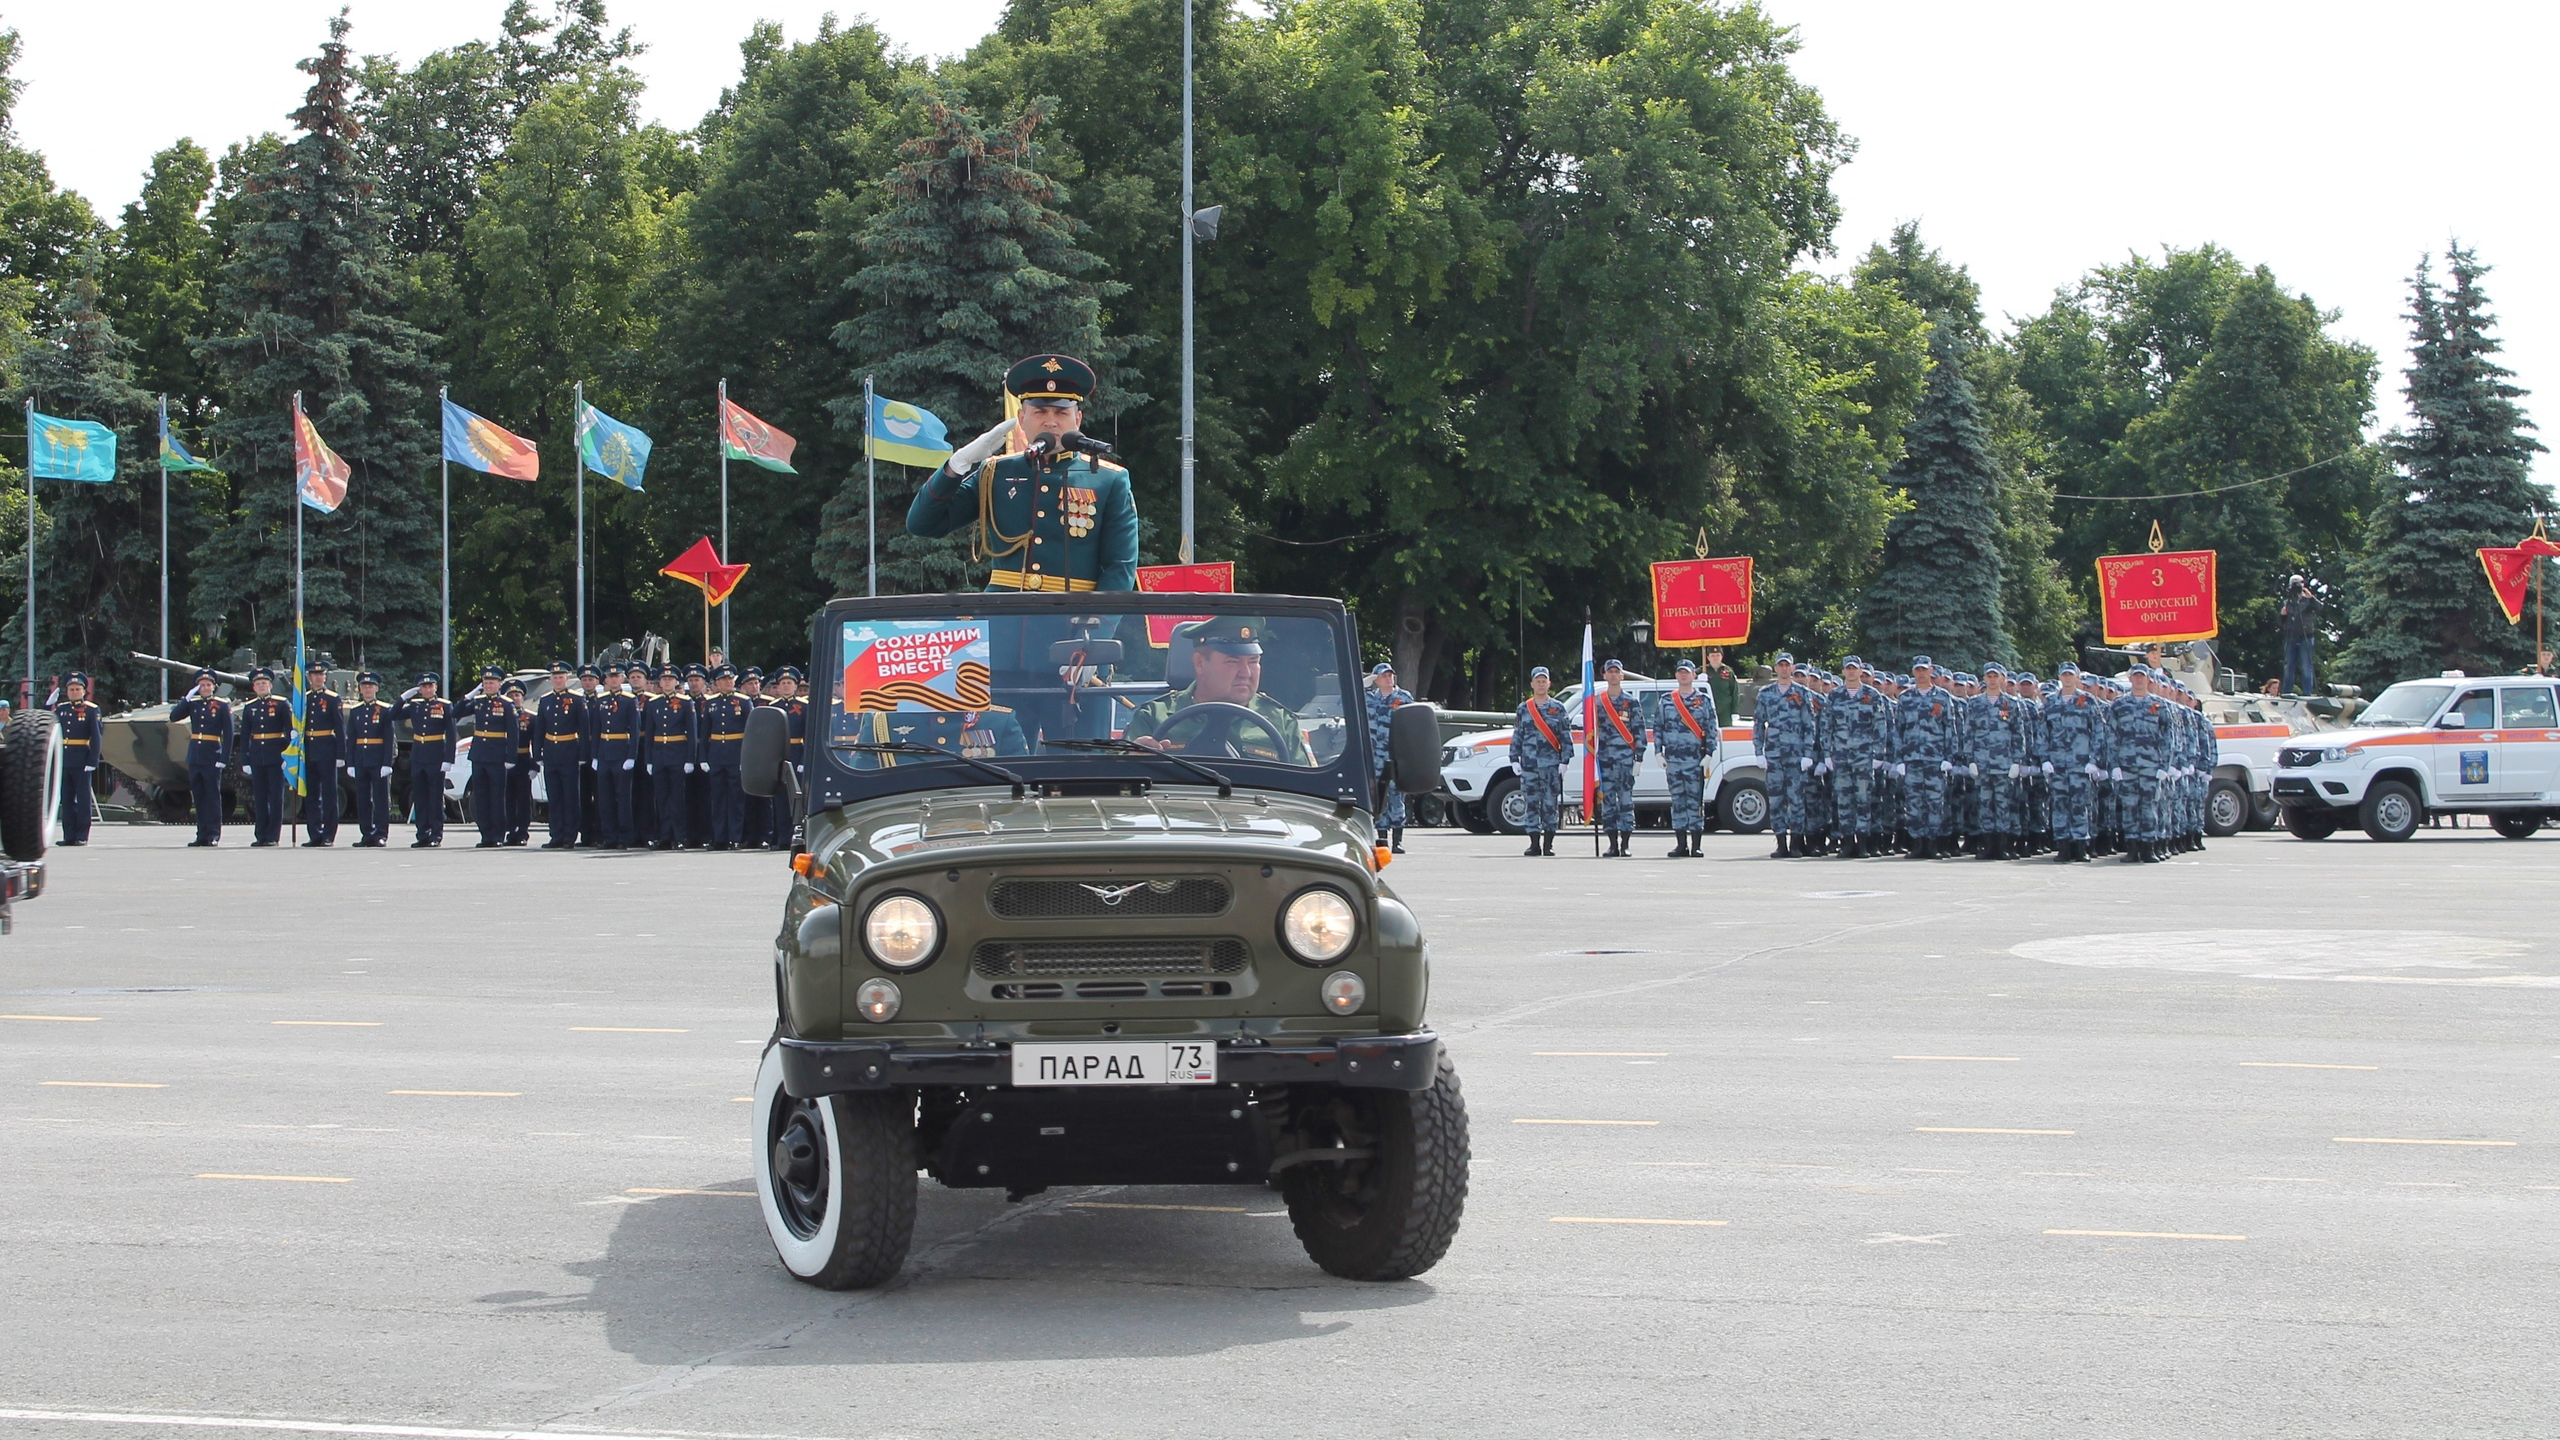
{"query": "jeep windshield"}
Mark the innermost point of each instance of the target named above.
(2407, 703)
(1080, 697)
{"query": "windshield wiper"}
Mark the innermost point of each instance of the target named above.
(1226, 787)
(918, 747)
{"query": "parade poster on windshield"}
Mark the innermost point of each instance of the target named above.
(911, 667)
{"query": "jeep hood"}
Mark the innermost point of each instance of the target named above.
(989, 825)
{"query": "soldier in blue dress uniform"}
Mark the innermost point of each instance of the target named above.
(724, 732)
(560, 748)
(208, 721)
(492, 721)
(520, 769)
(266, 730)
(433, 723)
(1541, 742)
(1618, 740)
(786, 698)
(82, 725)
(1687, 731)
(613, 755)
(373, 743)
(1384, 698)
(324, 749)
(1782, 730)
(755, 812)
(670, 738)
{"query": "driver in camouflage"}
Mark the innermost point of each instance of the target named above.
(1226, 669)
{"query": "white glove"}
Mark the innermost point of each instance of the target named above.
(2017, 772)
(1899, 770)
(1875, 764)
(1946, 767)
(386, 772)
(1823, 769)
(2160, 775)
(627, 764)
(689, 768)
(446, 767)
(2116, 775)
(1805, 764)
(217, 765)
(2048, 767)
(1973, 770)
(966, 458)
(2094, 772)
(595, 764)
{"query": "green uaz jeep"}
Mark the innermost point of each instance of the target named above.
(1089, 895)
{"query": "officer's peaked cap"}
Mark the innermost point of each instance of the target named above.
(492, 672)
(752, 672)
(562, 667)
(424, 678)
(723, 672)
(692, 670)
(1227, 634)
(201, 676)
(1051, 377)
(792, 671)
(263, 672)
(589, 672)
(367, 677)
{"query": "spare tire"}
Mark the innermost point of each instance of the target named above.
(30, 783)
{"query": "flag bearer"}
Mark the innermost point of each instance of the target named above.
(1687, 731)
(324, 749)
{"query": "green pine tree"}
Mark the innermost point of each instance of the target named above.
(304, 304)
(1938, 591)
(2420, 604)
(973, 266)
(159, 271)
(98, 557)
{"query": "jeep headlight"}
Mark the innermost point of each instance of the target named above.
(901, 931)
(1318, 926)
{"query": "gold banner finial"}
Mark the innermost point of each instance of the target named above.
(1703, 549)
(2158, 544)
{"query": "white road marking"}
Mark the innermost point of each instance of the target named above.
(1887, 1237)
(332, 1427)
(2145, 1235)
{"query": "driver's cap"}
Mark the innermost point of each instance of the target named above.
(1227, 634)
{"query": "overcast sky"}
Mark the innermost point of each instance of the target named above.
(2335, 142)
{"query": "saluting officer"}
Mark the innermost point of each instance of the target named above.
(433, 723)
(670, 730)
(1050, 518)
(786, 698)
(560, 748)
(324, 749)
(266, 731)
(373, 742)
(724, 729)
(1540, 744)
(491, 718)
(1384, 698)
(83, 725)
(520, 769)
(1620, 743)
(1687, 731)
(208, 722)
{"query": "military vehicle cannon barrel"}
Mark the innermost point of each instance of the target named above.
(189, 668)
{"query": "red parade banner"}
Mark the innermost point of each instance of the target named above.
(2510, 569)
(1702, 602)
(2155, 599)
(1217, 579)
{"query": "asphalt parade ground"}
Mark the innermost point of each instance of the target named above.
(2261, 1142)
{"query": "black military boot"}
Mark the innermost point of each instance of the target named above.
(1679, 845)
(1626, 844)
(1534, 847)
(1548, 845)
(1395, 841)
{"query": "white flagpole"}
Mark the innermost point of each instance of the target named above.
(720, 437)
(444, 465)
(1187, 223)
(164, 546)
(871, 483)
(578, 477)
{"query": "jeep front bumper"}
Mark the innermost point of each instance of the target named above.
(811, 1068)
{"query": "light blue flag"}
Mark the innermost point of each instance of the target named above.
(70, 449)
(610, 448)
(905, 434)
(293, 751)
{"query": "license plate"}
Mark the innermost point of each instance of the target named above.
(1141, 1062)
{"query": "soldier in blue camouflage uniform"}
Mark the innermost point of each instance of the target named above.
(1618, 740)
(1384, 697)
(1857, 743)
(1686, 729)
(2140, 753)
(1782, 724)
(1817, 796)
(2033, 826)
(1924, 753)
(1996, 736)
(1889, 831)
(2073, 725)
(2208, 757)
(1541, 741)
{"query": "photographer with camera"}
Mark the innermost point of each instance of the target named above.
(1058, 516)
(2300, 618)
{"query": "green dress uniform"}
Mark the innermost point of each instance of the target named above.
(1056, 520)
(1231, 635)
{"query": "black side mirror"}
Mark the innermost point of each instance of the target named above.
(1413, 749)
(1095, 652)
(761, 756)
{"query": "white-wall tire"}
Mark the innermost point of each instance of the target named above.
(836, 1180)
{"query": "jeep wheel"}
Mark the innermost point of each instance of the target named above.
(837, 1180)
(1744, 807)
(2391, 811)
(1471, 817)
(30, 783)
(2226, 809)
(1391, 1215)
(2516, 824)
(1505, 806)
(2305, 823)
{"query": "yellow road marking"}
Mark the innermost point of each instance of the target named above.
(2378, 1140)
(491, 1094)
(107, 1084)
(1116, 1205)
(294, 1179)
(2146, 1235)
(630, 1030)
(1624, 1220)
(1604, 1054)
(75, 1019)
(1586, 1122)
(341, 1024)
(742, 1099)
(2010, 1059)
(742, 1194)
(2300, 1065)
(1982, 1130)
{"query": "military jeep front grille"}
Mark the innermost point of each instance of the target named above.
(1026, 898)
(1009, 959)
